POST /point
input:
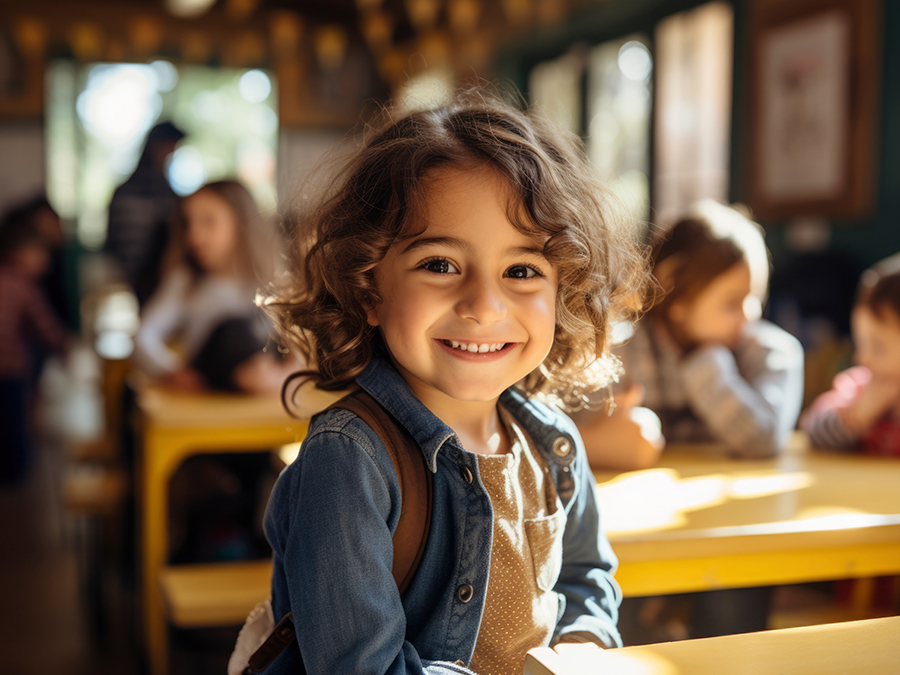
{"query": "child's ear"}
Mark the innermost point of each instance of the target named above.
(677, 311)
(372, 317)
(370, 307)
(665, 272)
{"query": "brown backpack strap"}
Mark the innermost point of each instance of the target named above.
(415, 483)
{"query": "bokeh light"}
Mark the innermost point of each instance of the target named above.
(255, 86)
(635, 61)
(186, 171)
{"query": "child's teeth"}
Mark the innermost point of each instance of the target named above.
(475, 348)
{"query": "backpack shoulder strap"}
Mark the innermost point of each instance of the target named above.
(415, 512)
(415, 483)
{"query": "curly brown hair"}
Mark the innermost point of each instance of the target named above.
(320, 307)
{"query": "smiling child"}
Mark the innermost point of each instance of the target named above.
(466, 248)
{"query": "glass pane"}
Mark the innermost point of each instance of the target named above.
(98, 116)
(693, 108)
(619, 93)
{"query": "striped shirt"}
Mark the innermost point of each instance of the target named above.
(747, 398)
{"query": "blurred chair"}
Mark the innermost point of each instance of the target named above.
(96, 483)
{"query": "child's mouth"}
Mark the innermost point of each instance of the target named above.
(475, 348)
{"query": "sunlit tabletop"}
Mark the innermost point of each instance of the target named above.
(701, 520)
(869, 647)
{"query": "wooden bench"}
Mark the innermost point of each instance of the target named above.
(218, 594)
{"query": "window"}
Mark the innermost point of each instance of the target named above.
(619, 96)
(687, 100)
(693, 108)
(98, 116)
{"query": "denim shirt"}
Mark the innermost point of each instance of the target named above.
(334, 510)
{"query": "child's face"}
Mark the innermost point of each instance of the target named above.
(470, 279)
(718, 313)
(211, 231)
(877, 341)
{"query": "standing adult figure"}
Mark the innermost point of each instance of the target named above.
(139, 213)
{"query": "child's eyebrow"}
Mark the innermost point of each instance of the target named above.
(463, 246)
(434, 241)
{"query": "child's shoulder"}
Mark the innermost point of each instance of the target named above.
(345, 424)
(545, 423)
(762, 334)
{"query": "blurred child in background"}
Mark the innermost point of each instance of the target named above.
(701, 358)
(862, 410)
(221, 253)
(25, 318)
(713, 371)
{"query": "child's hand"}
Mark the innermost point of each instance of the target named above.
(622, 403)
(186, 379)
(578, 652)
(874, 401)
(628, 438)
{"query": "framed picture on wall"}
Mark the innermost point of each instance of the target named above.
(815, 80)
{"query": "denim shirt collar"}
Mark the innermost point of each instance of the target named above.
(382, 381)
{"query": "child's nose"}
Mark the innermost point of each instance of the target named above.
(482, 302)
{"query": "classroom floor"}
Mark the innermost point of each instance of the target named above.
(44, 624)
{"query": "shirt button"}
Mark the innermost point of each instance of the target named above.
(561, 446)
(466, 474)
(465, 592)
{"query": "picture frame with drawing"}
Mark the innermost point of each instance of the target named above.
(815, 82)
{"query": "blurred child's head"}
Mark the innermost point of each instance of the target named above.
(713, 267)
(404, 170)
(221, 232)
(876, 319)
(23, 246)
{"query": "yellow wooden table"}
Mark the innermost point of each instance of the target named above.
(700, 521)
(173, 427)
(871, 647)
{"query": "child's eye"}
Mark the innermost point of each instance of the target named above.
(523, 272)
(439, 266)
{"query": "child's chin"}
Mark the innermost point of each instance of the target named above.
(476, 394)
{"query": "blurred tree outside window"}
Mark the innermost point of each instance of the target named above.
(98, 115)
